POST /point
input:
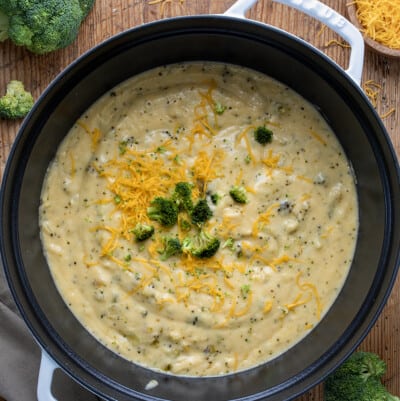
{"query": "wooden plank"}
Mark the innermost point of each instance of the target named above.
(112, 17)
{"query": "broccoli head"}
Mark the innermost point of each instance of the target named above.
(143, 231)
(182, 195)
(17, 102)
(202, 245)
(201, 212)
(42, 26)
(263, 135)
(163, 210)
(171, 247)
(358, 379)
(238, 194)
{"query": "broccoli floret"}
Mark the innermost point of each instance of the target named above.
(171, 247)
(42, 26)
(201, 212)
(263, 135)
(163, 210)
(215, 198)
(202, 245)
(358, 379)
(143, 231)
(17, 102)
(238, 194)
(182, 195)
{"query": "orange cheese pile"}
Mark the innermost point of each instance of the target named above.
(380, 20)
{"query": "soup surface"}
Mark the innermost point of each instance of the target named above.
(244, 264)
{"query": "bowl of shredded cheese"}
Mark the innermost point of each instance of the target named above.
(379, 22)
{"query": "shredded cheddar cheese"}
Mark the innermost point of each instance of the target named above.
(372, 89)
(163, 4)
(380, 20)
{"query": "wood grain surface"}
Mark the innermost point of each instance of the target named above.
(110, 17)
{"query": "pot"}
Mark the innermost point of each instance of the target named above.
(336, 93)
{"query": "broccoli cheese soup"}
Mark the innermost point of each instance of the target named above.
(199, 218)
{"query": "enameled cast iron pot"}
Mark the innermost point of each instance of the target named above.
(227, 38)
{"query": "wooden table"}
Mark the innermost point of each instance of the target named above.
(110, 17)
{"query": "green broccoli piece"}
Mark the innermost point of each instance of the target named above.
(201, 212)
(182, 195)
(263, 135)
(215, 198)
(142, 231)
(219, 108)
(358, 379)
(238, 194)
(202, 245)
(42, 26)
(17, 102)
(163, 210)
(229, 244)
(171, 247)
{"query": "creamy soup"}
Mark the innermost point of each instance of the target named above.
(279, 213)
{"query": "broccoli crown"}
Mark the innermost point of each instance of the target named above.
(263, 135)
(171, 247)
(163, 210)
(358, 379)
(17, 102)
(143, 231)
(238, 194)
(202, 245)
(182, 195)
(43, 25)
(201, 212)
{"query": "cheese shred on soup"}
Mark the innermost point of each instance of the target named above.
(248, 203)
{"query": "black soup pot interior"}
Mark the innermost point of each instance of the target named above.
(223, 39)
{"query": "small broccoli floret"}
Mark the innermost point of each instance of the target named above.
(358, 379)
(163, 210)
(17, 102)
(201, 212)
(143, 231)
(263, 135)
(42, 26)
(202, 245)
(215, 198)
(219, 108)
(238, 194)
(171, 247)
(182, 195)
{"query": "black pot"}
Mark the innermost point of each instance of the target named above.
(236, 41)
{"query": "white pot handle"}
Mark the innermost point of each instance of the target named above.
(327, 16)
(46, 371)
